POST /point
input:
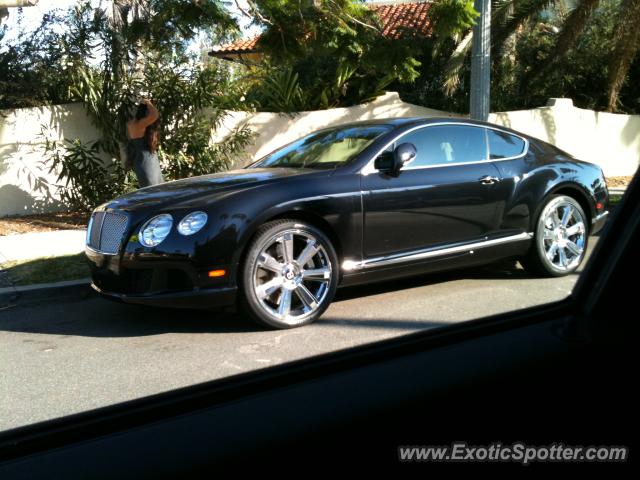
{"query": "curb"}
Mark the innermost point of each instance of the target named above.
(617, 190)
(46, 291)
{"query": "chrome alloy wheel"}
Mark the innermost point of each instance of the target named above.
(564, 235)
(291, 276)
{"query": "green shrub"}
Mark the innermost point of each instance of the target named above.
(84, 179)
(137, 54)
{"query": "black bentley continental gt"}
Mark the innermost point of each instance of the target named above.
(357, 203)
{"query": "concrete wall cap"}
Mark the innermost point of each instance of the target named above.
(560, 102)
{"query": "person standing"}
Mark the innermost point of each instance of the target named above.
(142, 144)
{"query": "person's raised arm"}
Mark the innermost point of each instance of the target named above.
(152, 114)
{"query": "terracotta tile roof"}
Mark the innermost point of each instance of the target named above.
(240, 46)
(395, 18)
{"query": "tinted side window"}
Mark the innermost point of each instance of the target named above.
(447, 144)
(503, 145)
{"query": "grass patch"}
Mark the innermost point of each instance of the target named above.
(46, 269)
(614, 200)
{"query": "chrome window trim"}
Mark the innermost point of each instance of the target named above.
(525, 150)
(369, 168)
(352, 265)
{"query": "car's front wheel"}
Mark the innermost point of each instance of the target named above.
(289, 275)
(560, 240)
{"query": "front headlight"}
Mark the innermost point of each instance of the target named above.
(155, 230)
(192, 223)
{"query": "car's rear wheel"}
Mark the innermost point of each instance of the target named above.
(289, 274)
(560, 240)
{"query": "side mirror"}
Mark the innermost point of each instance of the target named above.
(385, 162)
(403, 154)
(391, 162)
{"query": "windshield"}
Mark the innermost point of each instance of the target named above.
(324, 149)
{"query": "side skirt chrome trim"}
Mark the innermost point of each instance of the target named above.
(599, 217)
(352, 265)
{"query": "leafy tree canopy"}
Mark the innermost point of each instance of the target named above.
(326, 53)
(109, 60)
(540, 49)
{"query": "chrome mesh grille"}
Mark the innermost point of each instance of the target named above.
(106, 230)
(94, 229)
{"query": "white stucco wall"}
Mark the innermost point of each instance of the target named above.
(21, 153)
(610, 140)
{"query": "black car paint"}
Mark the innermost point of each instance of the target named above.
(363, 215)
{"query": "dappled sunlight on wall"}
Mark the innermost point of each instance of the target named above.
(26, 185)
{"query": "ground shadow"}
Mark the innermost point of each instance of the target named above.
(96, 317)
(89, 315)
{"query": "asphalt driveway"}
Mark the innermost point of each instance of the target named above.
(73, 354)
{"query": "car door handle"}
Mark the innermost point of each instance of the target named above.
(488, 180)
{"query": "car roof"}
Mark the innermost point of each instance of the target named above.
(408, 122)
(405, 121)
(382, 121)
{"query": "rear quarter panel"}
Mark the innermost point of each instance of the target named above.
(545, 171)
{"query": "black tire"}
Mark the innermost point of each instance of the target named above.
(268, 306)
(537, 261)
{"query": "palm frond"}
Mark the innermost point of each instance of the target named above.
(501, 10)
(454, 65)
(573, 27)
(521, 12)
(506, 17)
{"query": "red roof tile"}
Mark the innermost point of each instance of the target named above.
(240, 46)
(394, 17)
(397, 17)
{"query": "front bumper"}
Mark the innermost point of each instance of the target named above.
(158, 280)
(205, 298)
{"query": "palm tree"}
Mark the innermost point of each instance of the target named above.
(625, 49)
(508, 16)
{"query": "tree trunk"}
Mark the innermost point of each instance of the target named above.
(626, 47)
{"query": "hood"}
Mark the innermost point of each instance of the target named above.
(172, 194)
